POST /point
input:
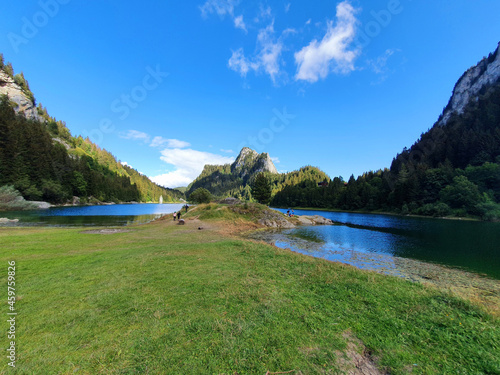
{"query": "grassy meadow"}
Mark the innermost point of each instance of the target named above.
(169, 299)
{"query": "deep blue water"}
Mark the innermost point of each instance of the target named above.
(109, 215)
(469, 245)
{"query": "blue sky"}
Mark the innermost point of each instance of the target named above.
(169, 86)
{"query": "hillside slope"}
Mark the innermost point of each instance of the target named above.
(41, 159)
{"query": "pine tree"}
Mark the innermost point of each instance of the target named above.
(261, 189)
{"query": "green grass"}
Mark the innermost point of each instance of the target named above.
(168, 299)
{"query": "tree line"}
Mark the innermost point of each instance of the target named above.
(451, 170)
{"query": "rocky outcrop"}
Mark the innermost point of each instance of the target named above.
(246, 155)
(468, 87)
(40, 205)
(230, 201)
(16, 95)
(314, 220)
(251, 162)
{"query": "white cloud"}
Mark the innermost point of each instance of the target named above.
(318, 59)
(239, 63)
(188, 165)
(270, 53)
(136, 136)
(267, 58)
(275, 160)
(219, 7)
(223, 8)
(226, 151)
(171, 143)
(287, 7)
(240, 24)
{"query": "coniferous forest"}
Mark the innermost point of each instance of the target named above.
(452, 170)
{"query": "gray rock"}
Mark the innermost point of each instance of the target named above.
(313, 220)
(470, 84)
(16, 95)
(230, 201)
(41, 205)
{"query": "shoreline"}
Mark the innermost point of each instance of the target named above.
(382, 213)
(475, 287)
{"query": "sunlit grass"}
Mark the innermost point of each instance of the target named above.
(169, 299)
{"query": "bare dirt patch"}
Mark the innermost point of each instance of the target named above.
(355, 360)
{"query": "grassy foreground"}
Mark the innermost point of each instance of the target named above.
(169, 299)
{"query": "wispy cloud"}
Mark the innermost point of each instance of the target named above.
(267, 57)
(239, 63)
(219, 7)
(136, 136)
(379, 65)
(227, 151)
(223, 8)
(332, 53)
(287, 7)
(171, 143)
(188, 164)
(240, 24)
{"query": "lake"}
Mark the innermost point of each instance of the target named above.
(363, 240)
(368, 240)
(107, 215)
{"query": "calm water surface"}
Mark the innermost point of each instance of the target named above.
(359, 239)
(363, 240)
(112, 215)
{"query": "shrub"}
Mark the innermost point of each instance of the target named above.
(11, 200)
(200, 195)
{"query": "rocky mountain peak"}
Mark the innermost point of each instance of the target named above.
(485, 73)
(246, 155)
(251, 161)
(16, 95)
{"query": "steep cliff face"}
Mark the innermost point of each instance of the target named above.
(16, 95)
(250, 162)
(468, 87)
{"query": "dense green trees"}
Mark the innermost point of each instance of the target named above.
(451, 170)
(55, 171)
(261, 189)
(200, 195)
